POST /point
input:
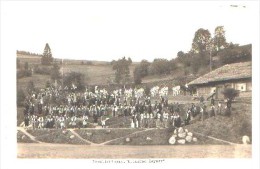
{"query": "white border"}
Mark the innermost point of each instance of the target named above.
(8, 124)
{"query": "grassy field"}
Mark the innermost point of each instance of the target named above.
(38, 80)
(21, 138)
(231, 128)
(103, 135)
(97, 72)
(159, 137)
(55, 136)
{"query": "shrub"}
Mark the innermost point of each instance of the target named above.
(76, 78)
(42, 70)
(230, 93)
(23, 73)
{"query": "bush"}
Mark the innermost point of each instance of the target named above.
(42, 70)
(23, 73)
(159, 67)
(76, 78)
(230, 93)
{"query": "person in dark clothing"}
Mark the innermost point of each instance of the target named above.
(229, 104)
(162, 99)
(212, 101)
(177, 109)
(178, 122)
(149, 109)
(26, 121)
(126, 111)
(212, 111)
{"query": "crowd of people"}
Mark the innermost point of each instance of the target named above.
(63, 108)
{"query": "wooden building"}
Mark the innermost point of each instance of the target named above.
(236, 75)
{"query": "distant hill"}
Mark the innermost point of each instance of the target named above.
(100, 72)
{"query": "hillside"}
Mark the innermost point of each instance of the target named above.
(100, 72)
(96, 72)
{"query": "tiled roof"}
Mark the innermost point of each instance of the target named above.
(227, 72)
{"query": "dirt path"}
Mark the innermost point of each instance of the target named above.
(21, 129)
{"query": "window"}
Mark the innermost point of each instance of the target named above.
(241, 86)
(213, 90)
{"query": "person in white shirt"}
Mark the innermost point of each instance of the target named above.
(165, 119)
(158, 120)
(85, 121)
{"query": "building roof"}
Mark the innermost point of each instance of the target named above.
(227, 72)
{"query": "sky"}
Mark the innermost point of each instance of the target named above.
(107, 30)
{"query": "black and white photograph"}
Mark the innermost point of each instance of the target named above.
(130, 82)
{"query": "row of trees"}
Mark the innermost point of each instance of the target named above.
(199, 59)
(22, 52)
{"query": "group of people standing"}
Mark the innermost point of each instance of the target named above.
(55, 108)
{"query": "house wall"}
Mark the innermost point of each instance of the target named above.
(244, 86)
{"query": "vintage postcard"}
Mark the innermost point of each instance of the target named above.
(132, 82)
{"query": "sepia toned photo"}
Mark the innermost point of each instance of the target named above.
(134, 105)
(133, 82)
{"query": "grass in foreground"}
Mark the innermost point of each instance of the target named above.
(55, 136)
(231, 128)
(22, 138)
(103, 135)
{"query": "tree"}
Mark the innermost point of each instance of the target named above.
(230, 93)
(184, 58)
(143, 68)
(160, 66)
(122, 72)
(235, 54)
(129, 60)
(219, 39)
(180, 54)
(75, 79)
(47, 58)
(201, 40)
